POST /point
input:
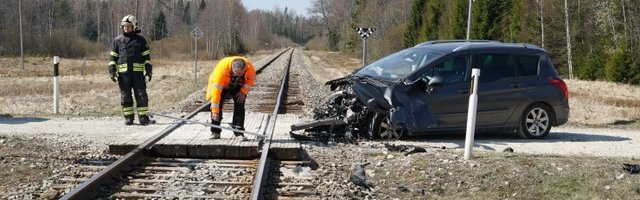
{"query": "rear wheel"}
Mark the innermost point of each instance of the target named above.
(535, 122)
(381, 128)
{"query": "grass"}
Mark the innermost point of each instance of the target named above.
(440, 174)
(88, 91)
(599, 103)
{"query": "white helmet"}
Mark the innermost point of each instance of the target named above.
(130, 19)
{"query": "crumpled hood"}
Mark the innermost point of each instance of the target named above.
(403, 102)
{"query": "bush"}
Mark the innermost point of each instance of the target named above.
(317, 43)
(590, 67)
(620, 67)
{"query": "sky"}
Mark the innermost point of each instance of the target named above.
(299, 5)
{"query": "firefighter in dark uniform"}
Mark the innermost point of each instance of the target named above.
(130, 63)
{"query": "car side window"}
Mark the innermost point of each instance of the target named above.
(528, 64)
(495, 66)
(452, 70)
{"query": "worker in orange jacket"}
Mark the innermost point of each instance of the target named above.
(232, 78)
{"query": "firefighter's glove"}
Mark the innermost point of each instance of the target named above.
(112, 73)
(148, 71)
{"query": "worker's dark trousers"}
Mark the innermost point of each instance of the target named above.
(128, 81)
(238, 111)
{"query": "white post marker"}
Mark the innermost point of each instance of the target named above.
(471, 115)
(56, 90)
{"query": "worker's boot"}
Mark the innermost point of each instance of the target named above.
(239, 134)
(128, 120)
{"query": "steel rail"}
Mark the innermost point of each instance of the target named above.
(259, 180)
(91, 188)
(271, 61)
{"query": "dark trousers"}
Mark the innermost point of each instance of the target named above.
(132, 81)
(238, 111)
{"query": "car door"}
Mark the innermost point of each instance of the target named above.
(449, 101)
(499, 89)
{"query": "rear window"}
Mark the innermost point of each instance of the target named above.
(528, 64)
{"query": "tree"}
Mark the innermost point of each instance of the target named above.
(186, 14)
(620, 67)
(415, 24)
(457, 20)
(566, 21)
(159, 29)
(431, 21)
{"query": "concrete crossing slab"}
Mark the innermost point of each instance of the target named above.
(192, 140)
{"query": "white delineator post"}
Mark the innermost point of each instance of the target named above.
(56, 90)
(471, 115)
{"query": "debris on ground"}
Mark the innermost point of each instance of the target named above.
(631, 168)
(508, 149)
(359, 177)
(407, 149)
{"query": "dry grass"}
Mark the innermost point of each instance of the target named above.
(602, 103)
(440, 174)
(90, 93)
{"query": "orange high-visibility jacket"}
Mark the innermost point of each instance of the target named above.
(221, 77)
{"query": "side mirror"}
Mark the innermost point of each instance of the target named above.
(435, 81)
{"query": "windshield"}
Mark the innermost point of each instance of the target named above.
(399, 64)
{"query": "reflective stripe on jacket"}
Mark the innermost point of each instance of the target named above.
(220, 79)
(130, 54)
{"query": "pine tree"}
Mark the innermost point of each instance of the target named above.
(159, 28)
(415, 24)
(431, 21)
(456, 20)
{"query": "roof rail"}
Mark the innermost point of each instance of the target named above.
(522, 45)
(450, 41)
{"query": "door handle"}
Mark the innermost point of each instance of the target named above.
(464, 91)
(514, 85)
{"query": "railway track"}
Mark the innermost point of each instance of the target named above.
(137, 176)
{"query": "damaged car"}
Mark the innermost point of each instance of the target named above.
(426, 88)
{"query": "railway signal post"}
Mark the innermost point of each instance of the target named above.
(364, 33)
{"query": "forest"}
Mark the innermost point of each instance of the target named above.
(589, 40)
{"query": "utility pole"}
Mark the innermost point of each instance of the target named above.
(21, 43)
(469, 21)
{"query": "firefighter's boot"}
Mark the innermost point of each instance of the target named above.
(128, 120)
(144, 120)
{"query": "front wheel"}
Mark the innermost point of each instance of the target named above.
(535, 122)
(381, 128)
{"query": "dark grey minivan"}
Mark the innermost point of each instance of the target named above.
(426, 89)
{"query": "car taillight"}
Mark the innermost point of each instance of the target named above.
(560, 83)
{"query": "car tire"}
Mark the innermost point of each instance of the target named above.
(536, 121)
(380, 128)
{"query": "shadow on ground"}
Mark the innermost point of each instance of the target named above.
(8, 119)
